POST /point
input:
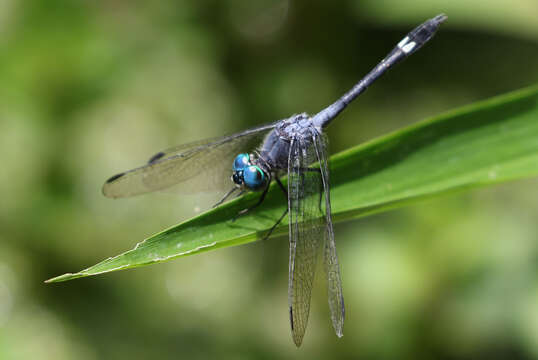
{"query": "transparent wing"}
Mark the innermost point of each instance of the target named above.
(332, 267)
(200, 166)
(307, 228)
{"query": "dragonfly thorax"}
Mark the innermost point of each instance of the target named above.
(247, 174)
(275, 149)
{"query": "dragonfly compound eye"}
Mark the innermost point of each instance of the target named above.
(241, 162)
(254, 177)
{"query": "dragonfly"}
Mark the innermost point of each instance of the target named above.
(295, 146)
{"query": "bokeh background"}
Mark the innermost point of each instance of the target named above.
(90, 88)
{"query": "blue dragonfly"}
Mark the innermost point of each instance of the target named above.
(260, 155)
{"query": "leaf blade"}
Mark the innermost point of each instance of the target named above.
(478, 145)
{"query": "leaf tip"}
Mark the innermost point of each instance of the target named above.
(64, 277)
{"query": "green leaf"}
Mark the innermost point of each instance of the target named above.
(482, 144)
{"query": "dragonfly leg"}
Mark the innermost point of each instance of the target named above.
(275, 225)
(240, 193)
(281, 186)
(285, 211)
(262, 197)
(226, 196)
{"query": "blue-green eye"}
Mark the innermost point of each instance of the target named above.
(241, 162)
(254, 177)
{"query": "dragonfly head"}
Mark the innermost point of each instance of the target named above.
(247, 174)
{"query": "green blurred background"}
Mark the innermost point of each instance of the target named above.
(90, 88)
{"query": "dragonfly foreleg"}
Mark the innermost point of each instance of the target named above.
(260, 200)
(226, 196)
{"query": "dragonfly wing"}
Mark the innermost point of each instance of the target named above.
(306, 233)
(332, 267)
(198, 166)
